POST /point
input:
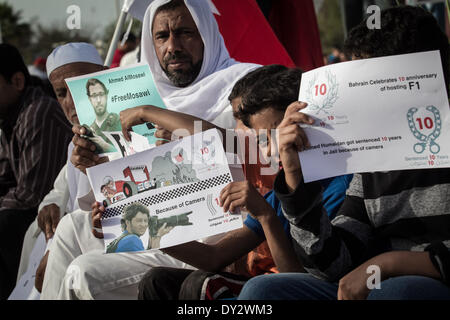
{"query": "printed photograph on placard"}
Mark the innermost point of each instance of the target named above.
(168, 216)
(99, 97)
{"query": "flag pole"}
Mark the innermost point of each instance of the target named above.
(115, 38)
(448, 9)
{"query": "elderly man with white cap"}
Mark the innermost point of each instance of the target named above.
(194, 74)
(65, 61)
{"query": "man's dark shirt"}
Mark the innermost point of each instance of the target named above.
(33, 149)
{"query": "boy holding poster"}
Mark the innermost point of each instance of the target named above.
(390, 238)
(262, 108)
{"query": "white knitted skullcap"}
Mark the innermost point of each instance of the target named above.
(70, 53)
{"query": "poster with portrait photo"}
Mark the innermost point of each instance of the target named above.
(99, 97)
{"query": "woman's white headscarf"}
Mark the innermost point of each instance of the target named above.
(207, 96)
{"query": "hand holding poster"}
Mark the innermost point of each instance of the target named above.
(99, 97)
(378, 114)
(164, 196)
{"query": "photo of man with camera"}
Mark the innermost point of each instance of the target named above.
(135, 222)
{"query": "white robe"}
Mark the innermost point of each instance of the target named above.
(69, 185)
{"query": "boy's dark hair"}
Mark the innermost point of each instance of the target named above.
(404, 29)
(271, 86)
(337, 46)
(92, 82)
(243, 85)
(131, 37)
(12, 63)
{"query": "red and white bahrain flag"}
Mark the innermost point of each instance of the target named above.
(295, 24)
(247, 34)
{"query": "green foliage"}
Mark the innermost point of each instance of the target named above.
(33, 39)
(109, 32)
(14, 31)
(49, 38)
(330, 24)
(109, 29)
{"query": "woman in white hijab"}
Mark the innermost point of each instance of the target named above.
(207, 96)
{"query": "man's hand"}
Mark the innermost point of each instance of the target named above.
(40, 272)
(48, 219)
(291, 140)
(243, 194)
(96, 215)
(83, 155)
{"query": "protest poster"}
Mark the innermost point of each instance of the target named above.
(99, 97)
(405, 124)
(170, 192)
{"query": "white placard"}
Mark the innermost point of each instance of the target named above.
(378, 114)
(179, 183)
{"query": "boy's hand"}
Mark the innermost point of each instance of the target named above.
(163, 134)
(391, 264)
(353, 286)
(97, 211)
(129, 118)
(291, 140)
(243, 194)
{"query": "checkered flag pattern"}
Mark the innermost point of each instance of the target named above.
(171, 194)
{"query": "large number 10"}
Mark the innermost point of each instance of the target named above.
(322, 89)
(428, 122)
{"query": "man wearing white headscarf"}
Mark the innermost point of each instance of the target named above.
(194, 74)
(206, 96)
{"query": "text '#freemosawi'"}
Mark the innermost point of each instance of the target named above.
(130, 96)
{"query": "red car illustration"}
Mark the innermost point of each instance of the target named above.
(131, 187)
